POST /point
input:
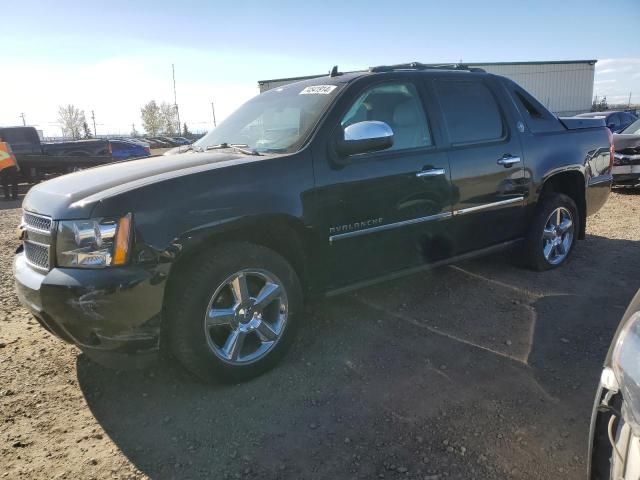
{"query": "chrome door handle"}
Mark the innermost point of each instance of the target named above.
(508, 161)
(434, 172)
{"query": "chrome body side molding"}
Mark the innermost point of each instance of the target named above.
(429, 218)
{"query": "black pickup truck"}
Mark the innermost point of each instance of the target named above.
(311, 188)
(36, 159)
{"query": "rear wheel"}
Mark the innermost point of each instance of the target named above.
(553, 232)
(233, 315)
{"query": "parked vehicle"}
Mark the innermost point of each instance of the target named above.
(155, 143)
(125, 150)
(77, 148)
(313, 188)
(181, 140)
(36, 158)
(615, 121)
(136, 140)
(626, 164)
(614, 440)
(169, 141)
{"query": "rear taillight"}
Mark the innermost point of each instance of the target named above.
(148, 150)
(612, 148)
(110, 148)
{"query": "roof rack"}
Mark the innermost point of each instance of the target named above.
(425, 66)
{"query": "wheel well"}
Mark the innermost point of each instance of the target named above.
(280, 235)
(571, 184)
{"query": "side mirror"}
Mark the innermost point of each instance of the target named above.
(363, 137)
(611, 126)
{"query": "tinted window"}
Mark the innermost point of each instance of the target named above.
(398, 105)
(614, 120)
(470, 111)
(19, 136)
(120, 146)
(528, 106)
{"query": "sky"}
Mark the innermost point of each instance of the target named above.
(112, 57)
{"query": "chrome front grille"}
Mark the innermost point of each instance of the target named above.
(37, 222)
(37, 240)
(37, 254)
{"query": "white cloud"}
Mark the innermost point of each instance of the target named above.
(616, 78)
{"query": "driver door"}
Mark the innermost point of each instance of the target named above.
(384, 211)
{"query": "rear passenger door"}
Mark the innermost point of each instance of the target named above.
(486, 162)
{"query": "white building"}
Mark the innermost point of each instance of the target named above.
(564, 87)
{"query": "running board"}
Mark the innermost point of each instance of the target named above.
(408, 271)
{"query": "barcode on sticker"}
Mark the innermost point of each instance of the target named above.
(318, 90)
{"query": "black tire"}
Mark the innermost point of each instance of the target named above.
(190, 298)
(533, 249)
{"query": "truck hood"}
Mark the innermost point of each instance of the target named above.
(75, 194)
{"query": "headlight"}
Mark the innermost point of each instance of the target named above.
(93, 243)
(626, 365)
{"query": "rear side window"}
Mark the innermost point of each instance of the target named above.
(470, 111)
(20, 136)
(119, 146)
(614, 120)
(627, 118)
(528, 106)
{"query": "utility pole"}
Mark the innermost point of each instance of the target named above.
(629, 103)
(93, 117)
(175, 98)
(24, 122)
(213, 111)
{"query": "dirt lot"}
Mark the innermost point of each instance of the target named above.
(480, 370)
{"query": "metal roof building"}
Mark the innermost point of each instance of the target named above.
(564, 87)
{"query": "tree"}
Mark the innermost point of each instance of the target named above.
(185, 130)
(169, 117)
(600, 106)
(152, 118)
(85, 130)
(72, 120)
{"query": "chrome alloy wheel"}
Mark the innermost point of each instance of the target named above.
(246, 316)
(557, 235)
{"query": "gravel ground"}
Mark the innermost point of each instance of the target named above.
(479, 370)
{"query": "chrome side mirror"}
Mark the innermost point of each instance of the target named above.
(363, 137)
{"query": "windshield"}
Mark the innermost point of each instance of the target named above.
(278, 120)
(633, 129)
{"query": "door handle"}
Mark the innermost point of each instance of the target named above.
(507, 161)
(434, 172)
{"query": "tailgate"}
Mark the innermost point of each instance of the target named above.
(576, 123)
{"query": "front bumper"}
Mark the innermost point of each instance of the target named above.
(626, 169)
(111, 310)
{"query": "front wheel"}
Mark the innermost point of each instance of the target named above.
(233, 314)
(553, 232)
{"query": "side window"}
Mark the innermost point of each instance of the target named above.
(117, 146)
(470, 111)
(628, 118)
(528, 106)
(614, 120)
(398, 105)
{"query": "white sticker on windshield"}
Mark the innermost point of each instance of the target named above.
(318, 90)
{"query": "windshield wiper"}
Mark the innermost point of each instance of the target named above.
(239, 147)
